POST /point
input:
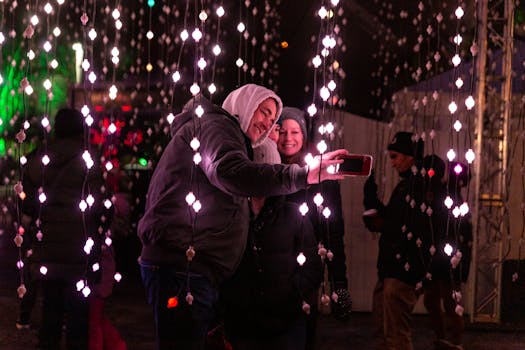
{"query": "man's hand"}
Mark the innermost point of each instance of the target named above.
(319, 167)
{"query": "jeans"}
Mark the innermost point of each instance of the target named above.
(183, 326)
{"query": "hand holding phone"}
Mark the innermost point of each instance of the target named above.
(355, 165)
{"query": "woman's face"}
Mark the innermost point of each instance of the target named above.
(290, 138)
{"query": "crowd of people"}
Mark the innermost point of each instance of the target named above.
(242, 237)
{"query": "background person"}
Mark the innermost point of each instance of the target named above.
(64, 230)
(403, 245)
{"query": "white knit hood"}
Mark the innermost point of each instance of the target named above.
(243, 102)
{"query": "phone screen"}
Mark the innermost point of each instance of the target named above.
(352, 165)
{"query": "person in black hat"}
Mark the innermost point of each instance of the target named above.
(403, 245)
(62, 231)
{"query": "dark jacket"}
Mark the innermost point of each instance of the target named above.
(221, 182)
(64, 182)
(448, 229)
(264, 297)
(405, 231)
(328, 232)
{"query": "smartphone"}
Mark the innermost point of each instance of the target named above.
(355, 165)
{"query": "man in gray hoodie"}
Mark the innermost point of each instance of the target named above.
(188, 252)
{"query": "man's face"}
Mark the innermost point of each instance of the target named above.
(290, 138)
(262, 119)
(401, 162)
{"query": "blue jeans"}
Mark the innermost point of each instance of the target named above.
(184, 326)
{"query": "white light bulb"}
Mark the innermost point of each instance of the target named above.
(199, 111)
(95, 267)
(201, 63)
(197, 206)
(113, 92)
(332, 85)
(195, 144)
(89, 120)
(312, 110)
(459, 12)
(85, 65)
(175, 76)
(115, 14)
(184, 35)
(34, 20)
(322, 146)
(92, 34)
(190, 198)
(309, 160)
(451, 154)
(45, 159)
(241, 27)
(82, 205)
(42, 197)
(86, 291)
(327, 212)
(195, 89)
(470, 102)
(316, 61)
(322, 12)
(149, 35)
(452, 107)
(321, 129)
(117, 277)
(303, 209)
(170, 118)
(47, 46)
(196, 35)
(112, 128)
(448, 249)
(43, 270)
(318, 199)
(458, 39)
(456, 212)
(470, 156)
(239, 62)
(329, 127)
(107, 204)
(212, 88)
(456, 60)
(23, 160)
(324, 93)
(197, 158)
(84, 110)
(459, 83)
(448, 202)
(457, 125)
(28, 90)
(48, 8)
(80, 284)
(464, 209)
(301, 259)
(54, 64)
(90, 200)
(45, 122)
(217, 50)
(109, 166)
(220, 11)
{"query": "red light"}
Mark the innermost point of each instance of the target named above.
(99, 108)
(431, 172)
(126, 108)
(173, 302)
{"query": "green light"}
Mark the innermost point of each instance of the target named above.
(2, 147)
(151, 3)
(143, 162)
